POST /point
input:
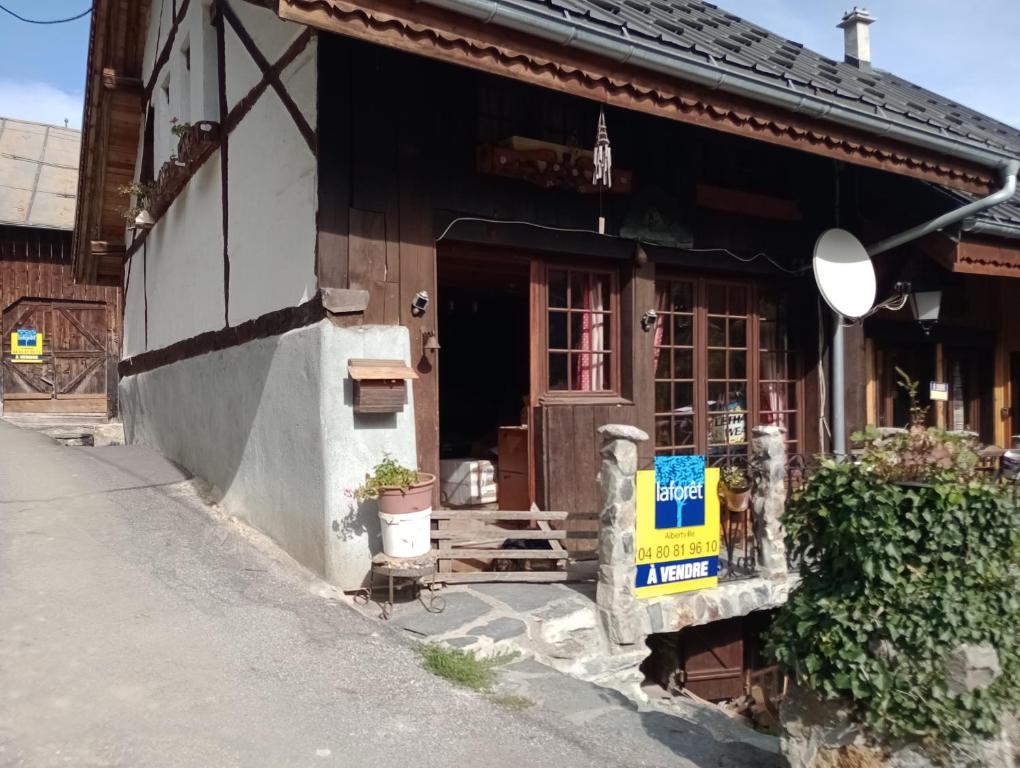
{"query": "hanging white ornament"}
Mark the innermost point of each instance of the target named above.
(603, 155)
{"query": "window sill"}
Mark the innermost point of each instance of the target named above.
(583, 398)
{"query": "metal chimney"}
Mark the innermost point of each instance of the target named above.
(857, 37)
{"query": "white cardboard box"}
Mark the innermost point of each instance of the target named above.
(467, 481)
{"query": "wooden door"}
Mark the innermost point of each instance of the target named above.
(72, 375)
(713, 659)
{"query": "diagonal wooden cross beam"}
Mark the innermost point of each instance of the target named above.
(271, 73)
(72, 385)
(83, 330)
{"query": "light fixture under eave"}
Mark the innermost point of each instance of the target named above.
(926, 306)
(144, 220)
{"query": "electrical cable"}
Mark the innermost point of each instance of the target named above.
(742, 259)
(86, 12)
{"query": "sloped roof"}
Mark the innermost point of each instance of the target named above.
(704, 34)
(715, 45)
(38, 174)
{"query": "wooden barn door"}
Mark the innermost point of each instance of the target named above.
(72, 376)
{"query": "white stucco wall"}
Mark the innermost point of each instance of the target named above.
(134, 307)
(271, 187)
(269, 424)
(273, 202)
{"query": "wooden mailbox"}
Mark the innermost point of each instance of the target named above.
(379, 385)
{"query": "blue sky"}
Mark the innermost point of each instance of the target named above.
(966, 51)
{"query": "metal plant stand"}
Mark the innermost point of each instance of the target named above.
(738, 534)
(416, 572)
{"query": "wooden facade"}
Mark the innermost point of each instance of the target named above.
(81, 326)
(403, 208)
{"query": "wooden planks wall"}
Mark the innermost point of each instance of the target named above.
(37, 264)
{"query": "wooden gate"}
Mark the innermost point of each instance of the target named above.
(72, 374)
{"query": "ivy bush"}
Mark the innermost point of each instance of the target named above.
(897, 576)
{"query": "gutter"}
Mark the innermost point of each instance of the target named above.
(563, 31)
(995, 229)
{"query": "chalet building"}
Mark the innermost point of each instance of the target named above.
(71, 365)
(331, 181)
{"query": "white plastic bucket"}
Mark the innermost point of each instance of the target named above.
(406, 535)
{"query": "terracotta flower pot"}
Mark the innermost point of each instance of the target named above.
(737, 500)
(417, 498)
(405, 518)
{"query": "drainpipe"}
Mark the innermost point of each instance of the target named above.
(1008, 171)
(837, 353)
(559, 27)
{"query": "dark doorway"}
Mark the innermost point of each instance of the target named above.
(484, 374)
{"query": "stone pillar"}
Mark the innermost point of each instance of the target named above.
(768, 498)
(617, 480)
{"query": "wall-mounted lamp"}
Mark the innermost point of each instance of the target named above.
(429, 341)
(648, 320)
(420, 303)
(926, 306)
(144, 220)
(640, 254)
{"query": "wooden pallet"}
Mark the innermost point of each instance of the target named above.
(473, 539)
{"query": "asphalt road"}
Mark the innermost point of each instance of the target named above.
(138, 629)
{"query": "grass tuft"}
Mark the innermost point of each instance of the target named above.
(511, 701)
(462, 668)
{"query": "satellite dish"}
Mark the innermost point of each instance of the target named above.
(844, 273)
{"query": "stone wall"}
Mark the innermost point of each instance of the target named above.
(824, 734)
(627, 620)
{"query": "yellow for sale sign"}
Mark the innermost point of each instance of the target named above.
(677, 535)
(26, 346)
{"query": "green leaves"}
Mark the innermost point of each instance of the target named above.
(896, 577)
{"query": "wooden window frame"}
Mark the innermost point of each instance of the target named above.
(540, 323)
(700, 315)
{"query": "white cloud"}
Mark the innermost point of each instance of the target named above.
(40, 102)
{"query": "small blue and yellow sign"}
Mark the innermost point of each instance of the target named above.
(26, 346)
(677, 535)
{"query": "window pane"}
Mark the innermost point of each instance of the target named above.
(683, 330)
(557, 371)
(716, 299)
(683, 430)
(738, 364)
(775, 365)
(683, 398)
(662, 363)
(717, 395)
(767, 306)
(662, 401)
(589, 331)
(716, 332)
(736, 396)
(738, 300)
(738, 333)
(683, 364)
(663, 330)
(557, 330)
(589, 291)
(557, 288)
(768, 336)
(716, 364)
(589, 372)
(663, 430)
(682, 297)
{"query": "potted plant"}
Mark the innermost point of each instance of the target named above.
(736, 488)
(405, 506)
